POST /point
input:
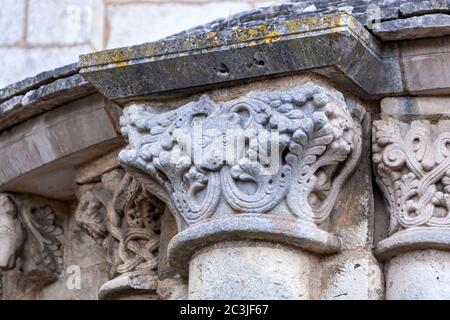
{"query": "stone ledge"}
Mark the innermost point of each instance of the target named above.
(192, 63)
(289, 231)
(35, 82)
(137, 282)
(427, 26)
(424, 7)
(412, 240)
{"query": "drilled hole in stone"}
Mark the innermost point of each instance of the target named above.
(259, 63)
(222, 70)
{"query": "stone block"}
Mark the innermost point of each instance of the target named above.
(405, 108)
(355, 275)
(12, 21)
(419, 275)
(431, 25)
(66, 22)
(424, 7)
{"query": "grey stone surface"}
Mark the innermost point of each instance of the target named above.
(137, 282)
(247, 227)
(431, 25)
(412, 240)
(12, 22)
(407, 108)
(35, 82)
(127, 73)
(45, 98)
(252, 271)
(363, 10)
(419, 275)
(424, 7)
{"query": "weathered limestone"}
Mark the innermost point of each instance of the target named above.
(30, 233)
(252, 270)
(125, 221)
(432, 25)
(209, 162)
(248, 171)
(411, 155)
(328, 44)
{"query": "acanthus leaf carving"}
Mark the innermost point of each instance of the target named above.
(29, 229)
(413, 166)
(182, 156)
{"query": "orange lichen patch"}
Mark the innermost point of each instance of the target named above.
(122, 64)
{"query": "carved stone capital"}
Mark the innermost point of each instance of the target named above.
(125, 219)
(268, 166)
(29, 230)
(412, 161)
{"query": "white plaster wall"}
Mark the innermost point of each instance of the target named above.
(39, 35)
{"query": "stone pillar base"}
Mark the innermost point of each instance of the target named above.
(253, 270)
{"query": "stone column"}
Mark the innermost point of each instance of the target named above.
(252, 183)
(411, 146)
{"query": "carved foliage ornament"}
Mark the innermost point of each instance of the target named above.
(21, 220)
(126, 223)
(293, 148)
(413, 165)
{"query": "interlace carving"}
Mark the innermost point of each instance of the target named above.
(126, 224)
(413, 166)
(290, 149)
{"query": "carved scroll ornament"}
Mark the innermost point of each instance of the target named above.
(413, 166)
(29, 227)
(309, 131)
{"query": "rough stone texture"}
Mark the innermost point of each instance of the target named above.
(93, 171)
(419, 275)
(45, 98)
(12, 21)
(424, 7)
(353, 275)
(46, 77)
(432, 25)
(135, 282)
(123, 74)
(252, 271)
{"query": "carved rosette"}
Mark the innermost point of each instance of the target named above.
(268, 165)
(126, 222)
(412, 162)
